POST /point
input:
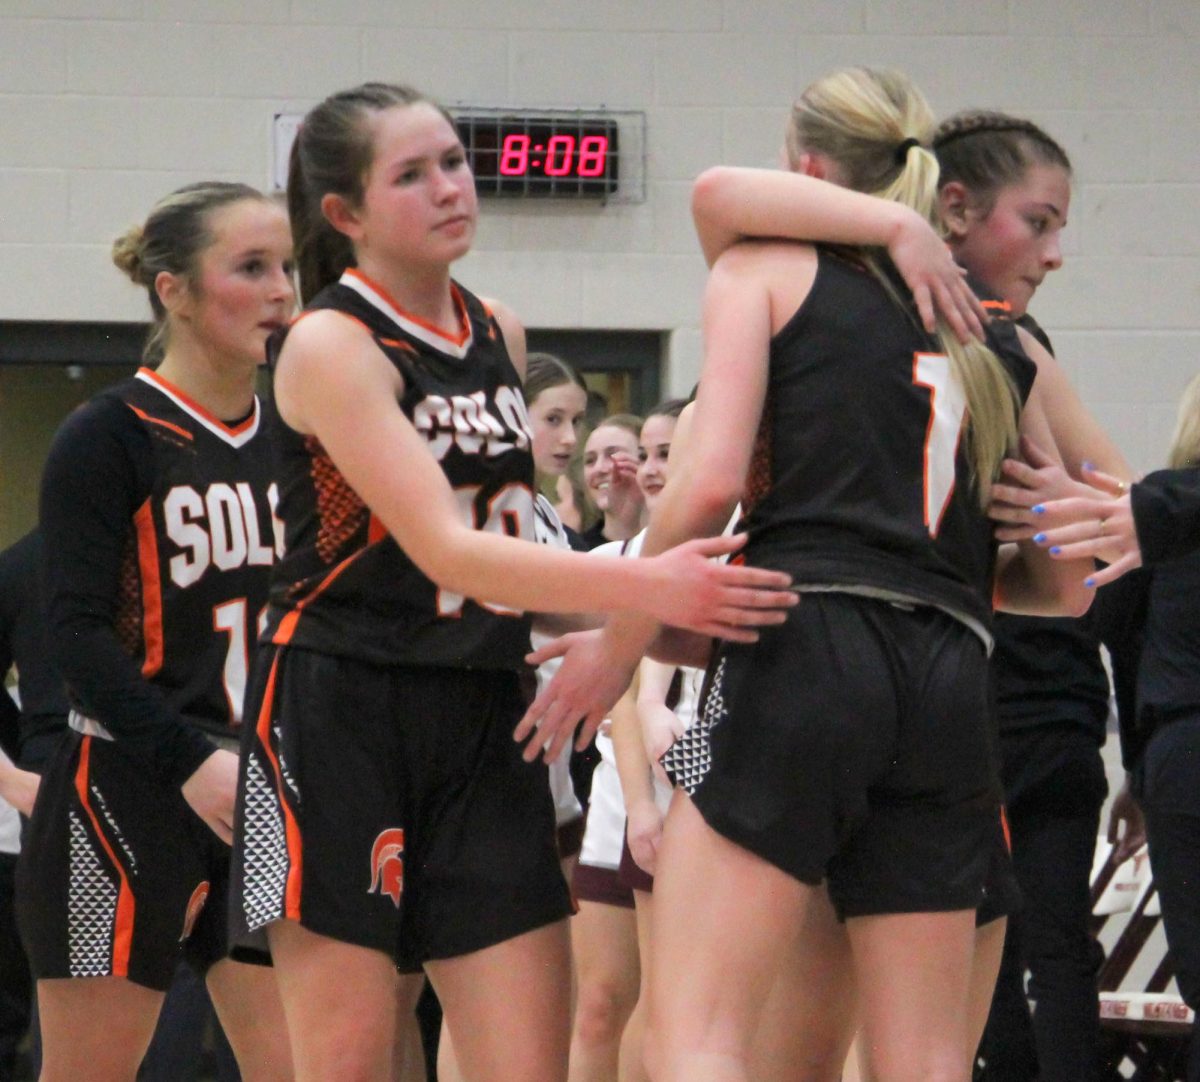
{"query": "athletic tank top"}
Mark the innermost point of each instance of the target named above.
(344, 586)
(859, 478)
(197, 558)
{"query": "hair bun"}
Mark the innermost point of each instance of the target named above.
(127, 253)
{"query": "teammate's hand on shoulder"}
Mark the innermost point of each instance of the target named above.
(594, 674)
(212, 791)
(691, 590)
(937, 283)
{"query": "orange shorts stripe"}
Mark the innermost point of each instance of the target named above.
(291, 827)
(123, 931)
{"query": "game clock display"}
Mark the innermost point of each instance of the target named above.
(571, 156)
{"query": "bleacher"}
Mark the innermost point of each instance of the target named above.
(1146, 1027)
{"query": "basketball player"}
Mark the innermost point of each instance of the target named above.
(386, 819)
(156, 522)
(891, 794)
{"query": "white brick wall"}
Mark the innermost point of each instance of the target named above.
(105, 104)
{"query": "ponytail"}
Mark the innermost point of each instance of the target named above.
(876, 128)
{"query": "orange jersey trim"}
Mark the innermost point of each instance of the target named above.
(997, 306)
(376, 530)
(152, 606)
(395, 343)
(287, 626)
(464, 321)
(312, 311)
(126, 905)
(192, 404)
(159, 421)
(295, 875)
(1004, 827)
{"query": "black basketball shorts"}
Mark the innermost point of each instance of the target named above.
(118, 876)
(851, 743)
(389, 807)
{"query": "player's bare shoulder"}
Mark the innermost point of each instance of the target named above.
(327, 349)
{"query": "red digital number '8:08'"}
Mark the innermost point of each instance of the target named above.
(560, 158)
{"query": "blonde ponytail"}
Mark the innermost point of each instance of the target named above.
(876, 127)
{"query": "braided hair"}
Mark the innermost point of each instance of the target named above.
(986, 151)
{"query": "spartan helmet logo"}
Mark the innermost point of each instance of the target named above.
(387, 864)
(195, 904)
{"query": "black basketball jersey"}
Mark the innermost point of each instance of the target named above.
(158, 533)
(860, 478)
(1048, 669)
(344, 585)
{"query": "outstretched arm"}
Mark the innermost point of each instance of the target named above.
(701, 491)
(333, 382)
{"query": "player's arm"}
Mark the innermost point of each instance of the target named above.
(1027, 579)
(632, 767)
(730, 204)
(700, 493)
(643, 820)
(1076, 434)
(96, 479)
(333, 382)
(19, 787)
(1097, 468)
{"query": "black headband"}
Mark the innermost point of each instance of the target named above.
(902, 150)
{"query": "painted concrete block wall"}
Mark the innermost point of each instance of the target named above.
(106, 104)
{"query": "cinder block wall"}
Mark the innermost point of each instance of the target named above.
(106, 104)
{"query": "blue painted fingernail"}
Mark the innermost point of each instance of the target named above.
(1039, 537)
(1055, 550)
(1038, 508)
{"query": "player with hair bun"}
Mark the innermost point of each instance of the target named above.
(157, 526)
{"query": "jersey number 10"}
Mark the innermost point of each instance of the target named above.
(509, 512)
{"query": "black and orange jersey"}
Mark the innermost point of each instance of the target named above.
(859, 477)
(157, 527)
(1048, 668)
(344, 586)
